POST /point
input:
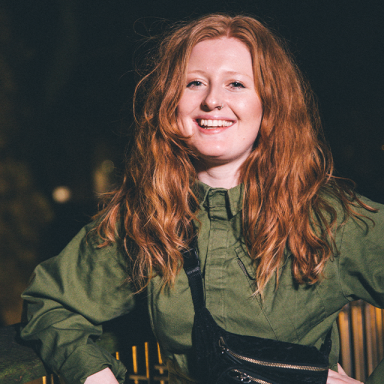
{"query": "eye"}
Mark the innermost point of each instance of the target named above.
(194, 83)
(236, 84)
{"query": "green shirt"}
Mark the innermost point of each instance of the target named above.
(71, 294)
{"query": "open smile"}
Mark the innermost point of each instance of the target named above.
(209, 124)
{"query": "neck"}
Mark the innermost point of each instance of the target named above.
(220, 176)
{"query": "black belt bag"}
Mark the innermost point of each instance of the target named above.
(223, 357)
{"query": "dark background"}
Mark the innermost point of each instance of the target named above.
(66, 82)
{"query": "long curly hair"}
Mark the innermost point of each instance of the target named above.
(288, 177)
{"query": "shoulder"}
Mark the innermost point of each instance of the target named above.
(355, 220)
(350, 209)
(360, 236)
(359, 260)
(368, 220)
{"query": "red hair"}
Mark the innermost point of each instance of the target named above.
(288, 178)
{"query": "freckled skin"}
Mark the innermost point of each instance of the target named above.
(220, 74)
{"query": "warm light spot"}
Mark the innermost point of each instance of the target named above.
(103, 176)
(61, 194)
(382, 147)
(107, 166)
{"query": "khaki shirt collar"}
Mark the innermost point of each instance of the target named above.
(234, 196)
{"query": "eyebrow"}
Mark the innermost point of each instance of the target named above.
(200, 72)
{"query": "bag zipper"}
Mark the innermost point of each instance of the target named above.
(225, 349)
(245, 378)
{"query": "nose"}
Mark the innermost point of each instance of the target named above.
(213, 99)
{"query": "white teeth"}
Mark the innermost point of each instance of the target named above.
(214, 123)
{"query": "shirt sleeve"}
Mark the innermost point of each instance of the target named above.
(361, 265)
(69, 296)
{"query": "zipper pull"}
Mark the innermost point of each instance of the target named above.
(241, 376)
(222, 345)
(227, 352)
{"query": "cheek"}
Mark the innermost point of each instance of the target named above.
(182, 123)
(256, 115)
(184, 103)
(254, 118)
(184, 116)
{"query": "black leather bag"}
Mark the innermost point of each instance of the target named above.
(223, 357)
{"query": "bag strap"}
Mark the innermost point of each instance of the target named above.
(193, 271)
(327, 344)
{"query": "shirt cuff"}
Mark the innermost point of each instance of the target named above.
(377, 376)
(87, 360)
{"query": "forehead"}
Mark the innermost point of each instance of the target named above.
(227, 51)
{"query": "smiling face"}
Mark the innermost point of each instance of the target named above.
(220, 110)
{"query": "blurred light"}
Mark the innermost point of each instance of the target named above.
(382, 147)
(107, 166)
(61, 194)
(103, 175)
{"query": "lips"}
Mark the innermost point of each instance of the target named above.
(208, 123)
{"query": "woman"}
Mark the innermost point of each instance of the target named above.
(226, 146)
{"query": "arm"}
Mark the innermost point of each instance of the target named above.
(69, 297)
(361, 266)
(340, 377)
(103, 377)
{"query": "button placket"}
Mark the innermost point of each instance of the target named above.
(215, 275)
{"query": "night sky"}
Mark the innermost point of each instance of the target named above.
(73, 64)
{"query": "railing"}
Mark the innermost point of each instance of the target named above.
(361, 334)
(147, 372)
(141, 369)
(20, 364)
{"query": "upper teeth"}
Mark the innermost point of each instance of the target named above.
(215, 123)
